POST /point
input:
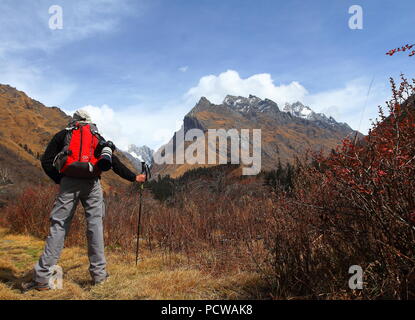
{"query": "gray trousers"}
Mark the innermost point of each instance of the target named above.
(89, 192)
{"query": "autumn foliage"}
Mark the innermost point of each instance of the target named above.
(356, 207)
(404, 48)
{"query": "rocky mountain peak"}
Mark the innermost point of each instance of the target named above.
(298, 109)
(250, 104)
(203, 100)
(237, 101)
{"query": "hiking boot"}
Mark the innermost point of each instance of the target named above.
(100, 281)
(27, 286)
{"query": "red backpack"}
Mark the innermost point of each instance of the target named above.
(78, 159)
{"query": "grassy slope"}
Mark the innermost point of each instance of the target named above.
(156, 277)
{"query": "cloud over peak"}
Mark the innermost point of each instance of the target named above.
(216, 88)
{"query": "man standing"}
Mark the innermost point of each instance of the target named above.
(75, 159)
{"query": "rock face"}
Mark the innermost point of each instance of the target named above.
(286, 134)
(26, 127)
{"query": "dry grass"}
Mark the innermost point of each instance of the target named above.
(156, 277)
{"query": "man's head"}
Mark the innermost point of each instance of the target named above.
(81, 115)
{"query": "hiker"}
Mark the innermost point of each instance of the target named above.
(75, 159)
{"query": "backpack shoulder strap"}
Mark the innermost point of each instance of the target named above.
(95, 132)
(72, 126)
(93, 128)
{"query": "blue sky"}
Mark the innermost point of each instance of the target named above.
(139, 66)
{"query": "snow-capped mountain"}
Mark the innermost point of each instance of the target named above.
(138, 154)
(250, 104)
(142, 153)
(253, 104)
(297, 109)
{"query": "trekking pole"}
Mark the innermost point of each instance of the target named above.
(140, 209)
(147, 172)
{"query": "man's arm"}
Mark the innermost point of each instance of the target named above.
(119, 168)
(54, 147)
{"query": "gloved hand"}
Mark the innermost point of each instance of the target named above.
(141, 178)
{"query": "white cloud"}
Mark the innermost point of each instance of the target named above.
(215, 88)
(184, 69)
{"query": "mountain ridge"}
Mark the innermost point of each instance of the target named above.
(285, 134)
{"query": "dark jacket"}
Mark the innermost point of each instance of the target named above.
(56, 145)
